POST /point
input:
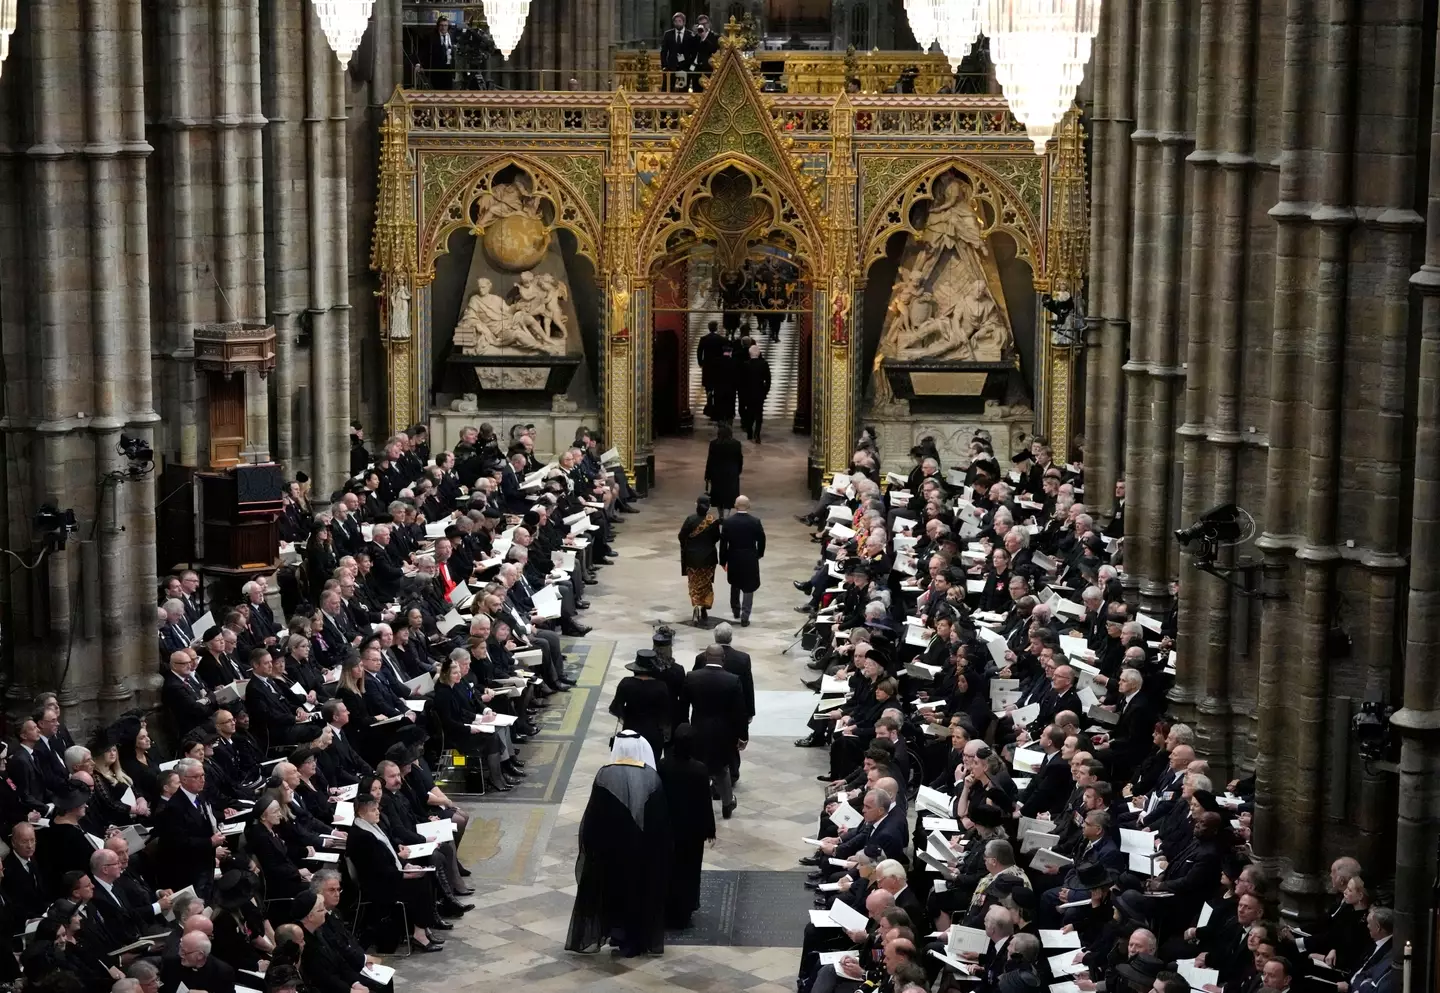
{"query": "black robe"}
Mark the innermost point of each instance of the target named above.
(624, 863)
(692, 823)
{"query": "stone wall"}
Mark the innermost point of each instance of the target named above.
(1253, 337)
(163, 166)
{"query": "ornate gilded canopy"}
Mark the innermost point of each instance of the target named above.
(641, 177)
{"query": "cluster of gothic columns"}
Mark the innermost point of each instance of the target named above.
(1262, 330)
(165, 166)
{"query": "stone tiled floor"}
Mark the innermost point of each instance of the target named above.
(515, 936)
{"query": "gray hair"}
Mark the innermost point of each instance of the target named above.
(998, 917)
(395, 505)
(1184, 734)
(724, 633)
(1132, 627)
(1199, 782)
(126, 985)
(321, 877)
(181, 905)
(1025, 947)
(379, 530)
(1092, 593)
(174, 606)
(184, 767)
(889, 869)
(1133, 675)
(1001, 851)
(882, 798)
(459, 655)
(75, 757)
(249, 588)
(142, 970)
(1384, 919)
(874, 610)
(1148, 937)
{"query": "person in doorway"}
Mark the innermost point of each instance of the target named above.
(707, 355)
(754, 388)
(723, 465)
(698, 537)
(742, 546)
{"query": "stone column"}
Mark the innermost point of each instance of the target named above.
(1419, 720)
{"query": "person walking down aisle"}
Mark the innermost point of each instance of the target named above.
(692, 823)
(698, 537)
(722, 469)
(709, 356)
(754, 388)
(623, 868)
(742, 546)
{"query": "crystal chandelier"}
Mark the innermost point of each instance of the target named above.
(8, 11)
(922, 14)
(957, 24)
(507, 22)
(344, 23)
(1040, 49)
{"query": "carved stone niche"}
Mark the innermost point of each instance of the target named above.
(229, 347)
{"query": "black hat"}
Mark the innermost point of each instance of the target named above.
(1207, 800)
(986, 815)
(300, 477)
(1019, 981)
(232, 889)
(401, 753)
(1025, 900)
(874, 852)
(1093, 875)
(73, 800)
(645, 662)
(1021, 457)
(212, 633)
(531, 519)
(492, 512)
(1142, 969)
(664, 635)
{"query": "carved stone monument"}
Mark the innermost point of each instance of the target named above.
(947, 310)
(520, 338)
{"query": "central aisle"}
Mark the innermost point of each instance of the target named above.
(517, 931)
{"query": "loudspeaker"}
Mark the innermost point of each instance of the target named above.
(258, 483)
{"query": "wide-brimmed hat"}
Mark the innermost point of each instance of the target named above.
(232, 889)
(73, 800)
(1094, 875)
(985, 815)
(1142, 969)
(646, 662)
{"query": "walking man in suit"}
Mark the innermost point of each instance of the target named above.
(742, 546)
(738, 663)
(716, 704)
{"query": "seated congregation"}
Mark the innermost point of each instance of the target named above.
(282, 816)
(1007, 806)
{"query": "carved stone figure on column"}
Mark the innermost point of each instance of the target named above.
(552, 292)
(399, 310)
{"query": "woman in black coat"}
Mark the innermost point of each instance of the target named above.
(458, 720)
(320, 561)
(643, 704)
(283, 877)
(698, 537)
(692, 823)
(722, 469)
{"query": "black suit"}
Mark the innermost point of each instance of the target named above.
(25, 888)
(186, 856)
(716, 705)
(1132, 736)
(1049, 788)
(48, 759)
(341, 763)
(25, 774)
(212, 977)
(182, 700)
(742, 546)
